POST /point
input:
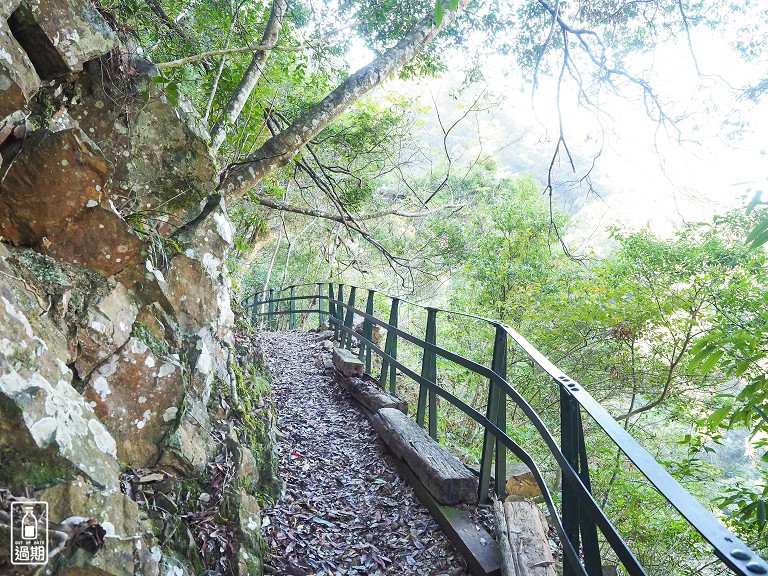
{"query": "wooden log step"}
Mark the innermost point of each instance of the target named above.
(347, 363)
(522, 538)
(444, 476)
(368, 393)
(469, 538)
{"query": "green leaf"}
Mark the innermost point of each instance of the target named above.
(762, 238)
(755, 201)
(758, 230)
(454, 4)
(701, 351)
(761, 514)
(741, 367)
(172, 93)
(439, 12)
(718, 415)
(760, 411)
(710, 362)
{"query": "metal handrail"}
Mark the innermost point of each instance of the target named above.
(581, 514)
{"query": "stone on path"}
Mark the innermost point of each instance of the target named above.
(347, 363)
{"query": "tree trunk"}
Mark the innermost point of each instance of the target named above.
(280, 149)
(251, 77)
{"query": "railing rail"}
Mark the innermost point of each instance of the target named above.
(581, 515)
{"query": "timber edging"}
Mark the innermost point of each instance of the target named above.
(479, 549)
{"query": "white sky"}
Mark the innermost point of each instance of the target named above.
(643, 176)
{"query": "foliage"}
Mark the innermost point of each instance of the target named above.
(736, 347)
(655, 329)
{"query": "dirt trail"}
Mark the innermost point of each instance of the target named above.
(346, 509)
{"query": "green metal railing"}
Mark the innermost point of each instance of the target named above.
(581, 516)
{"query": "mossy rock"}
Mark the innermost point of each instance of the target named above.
(17, 470)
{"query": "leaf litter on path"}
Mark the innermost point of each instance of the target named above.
(346, 510)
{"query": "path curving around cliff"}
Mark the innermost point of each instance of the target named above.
(346, 510)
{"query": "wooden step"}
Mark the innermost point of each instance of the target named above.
(522, 538)
(367, 391)
(468, 537)
(446, 478)
(347, 363)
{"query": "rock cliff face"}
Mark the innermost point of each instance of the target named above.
(117, 337)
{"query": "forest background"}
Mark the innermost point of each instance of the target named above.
(478, 192)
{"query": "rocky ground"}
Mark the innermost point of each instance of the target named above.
(346, 510)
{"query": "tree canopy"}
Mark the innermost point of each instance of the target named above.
(271, 78)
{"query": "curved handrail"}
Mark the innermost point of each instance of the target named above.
(729, 549)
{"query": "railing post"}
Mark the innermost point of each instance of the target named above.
(321, 312)
(271, 310)
(292, 316)
(338, 333)
(331, 309)
(429, 372)
(255, 310)
(577, 525)
(390, 348)
(349, 319)
(365, 349)
(496, 412)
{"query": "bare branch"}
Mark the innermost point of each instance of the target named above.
(316, 213)
(227, 52)
(550, 34)
(446, 134)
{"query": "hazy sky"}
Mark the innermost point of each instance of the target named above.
(644, 176)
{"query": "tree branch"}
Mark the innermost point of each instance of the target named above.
(248, 82)
(316, 213)
(228, 51)
(280, 149)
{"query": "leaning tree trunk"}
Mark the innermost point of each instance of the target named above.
(248, 82)
(280, 149)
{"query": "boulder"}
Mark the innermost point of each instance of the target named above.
(246, 468)
(251, 547)
(163, 170)
(138, 397)
(207, 241)
(47, 430)
(18, 79)
(60, 35)
(118, 245)
(146, 284)
(189, 447)
(106, 327)
(212, 233)
(192, 291)
(377, 332)
(159, 324)
(8, 6)
(49, 180)
(53, 199)
(128, 545)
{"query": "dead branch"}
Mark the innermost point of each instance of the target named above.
(227, 52)
(315, 213)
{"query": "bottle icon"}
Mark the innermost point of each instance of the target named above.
(29, 523)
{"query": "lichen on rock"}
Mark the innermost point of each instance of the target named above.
(130, 392)
(41, 412)
(116, 270)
